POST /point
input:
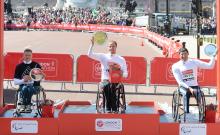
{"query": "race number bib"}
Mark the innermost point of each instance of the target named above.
(188, 75)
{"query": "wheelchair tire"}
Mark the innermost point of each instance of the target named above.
(175, 105)
(122, 101)
(40, 98)
(16, 99)
(100, 108)
(201, 107)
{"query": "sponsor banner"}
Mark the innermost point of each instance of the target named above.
(108, 124)
(89, 70)
(24, 126)
(52, 65)
(192, 129)
(161, 73)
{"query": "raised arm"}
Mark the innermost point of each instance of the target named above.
(206, 65)
(91, 54)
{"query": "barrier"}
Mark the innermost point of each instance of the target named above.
(57, 67)
(163, 42)
(89, 70)
(161, 73)
(170, 48)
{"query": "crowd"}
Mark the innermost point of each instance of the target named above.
(208, 25)
(107, 16)
(187, 25)
(76, 16)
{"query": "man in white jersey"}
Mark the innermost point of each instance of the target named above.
(185, 73)
(107, 60)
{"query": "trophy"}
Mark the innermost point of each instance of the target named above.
(100, 38)
(36, 74)
(210, 50)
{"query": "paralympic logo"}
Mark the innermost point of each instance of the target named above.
(186, 131)
(17, 126)
(24, 126)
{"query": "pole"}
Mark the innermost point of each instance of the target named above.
(156, 6)
(198, 36)
(191, 26)
(218, 61)
(1, 51)
(167, 20)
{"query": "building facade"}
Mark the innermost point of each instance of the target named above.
(183, 7)
(178, 7)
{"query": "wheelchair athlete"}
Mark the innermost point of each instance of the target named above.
(185, 73)
(110, 92)
(27, 86)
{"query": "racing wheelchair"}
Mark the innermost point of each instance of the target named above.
(37, 102)
(120, 99)
(178, 109)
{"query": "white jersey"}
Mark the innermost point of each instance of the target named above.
(185, 72)
(104, 59)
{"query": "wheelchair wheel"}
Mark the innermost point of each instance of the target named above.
(16, 99)
(100, 102)
(201, 108)
(40, 100)
(16, 112)
(175, 105)
(122, 100)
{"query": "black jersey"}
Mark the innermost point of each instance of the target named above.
(23, 69)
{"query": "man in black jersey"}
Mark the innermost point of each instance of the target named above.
(27, 86)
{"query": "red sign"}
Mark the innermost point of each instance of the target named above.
(161, 73)
(57, 67)
(89, 70)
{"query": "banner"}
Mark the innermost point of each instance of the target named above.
(57, 67)
(170, 48)
(161, 73)
(89, 70)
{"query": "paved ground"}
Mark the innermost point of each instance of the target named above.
(77, 43)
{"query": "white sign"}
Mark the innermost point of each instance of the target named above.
(24, 126)
(81, 3)
(192, 129)
(108, 125)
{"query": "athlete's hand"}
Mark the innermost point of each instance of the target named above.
(44, 75)
(114, 66)
(216, 53)
(26, 78)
